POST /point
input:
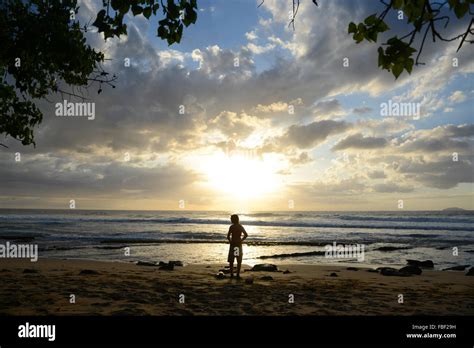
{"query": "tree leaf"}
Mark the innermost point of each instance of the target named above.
(136, 10)
(461, 9)
(371, 20)
(397, 70)
(147, 12)
(352, 28)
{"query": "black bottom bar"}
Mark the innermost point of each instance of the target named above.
(289, 331)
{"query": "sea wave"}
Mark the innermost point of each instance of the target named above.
(396, 225)
(417, 219)
(126, 241)
(262, 214)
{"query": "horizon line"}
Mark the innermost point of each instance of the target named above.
(453, 209)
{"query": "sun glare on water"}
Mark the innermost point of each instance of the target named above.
(241, 176)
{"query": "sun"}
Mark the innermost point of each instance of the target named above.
(241, 176)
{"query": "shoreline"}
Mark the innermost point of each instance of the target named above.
(123, 288)
(276, 261)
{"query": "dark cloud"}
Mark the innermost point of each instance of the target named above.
(362, 110)
(313, 134)
(344, 187)
(232, 124)
(67, 177)
(461, 131)
(376, 174)
(441, 174)
(302, 158)
(391, 187)
(328, 108)
(439, 139)
(358, 141)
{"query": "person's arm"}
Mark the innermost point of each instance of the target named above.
(228, 235)
(245, 234)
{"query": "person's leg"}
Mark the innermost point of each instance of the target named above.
(231, 266)
(230, 259)
(239, 261)
(239, 264)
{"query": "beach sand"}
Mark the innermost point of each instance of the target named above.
(45, 288)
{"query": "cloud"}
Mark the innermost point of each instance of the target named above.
(256, 49)
(283, 44)
(246, 106)
(392, 187)
(293, 107)
(376, 174)
(457, 97)
(70, 178)
(384, 127)
(302, 158)
(232, 124)
(265, 22)
(251, 35)
(360, 142)
(221, 63)
(442, 174)
(442, 138)
(171, 57)
(362, 110)
(408, 163)
(328, 108)
(311, 135)
(338, 187)
(273, 107)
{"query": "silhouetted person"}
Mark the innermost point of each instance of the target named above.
(236, 230)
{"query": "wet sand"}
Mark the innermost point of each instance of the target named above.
(112, 288)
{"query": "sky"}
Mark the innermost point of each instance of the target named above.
(247, 113)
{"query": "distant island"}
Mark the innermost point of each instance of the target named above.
(454, 209)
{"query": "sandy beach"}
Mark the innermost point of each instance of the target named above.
(116, 288)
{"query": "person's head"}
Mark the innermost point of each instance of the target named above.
(235, 219)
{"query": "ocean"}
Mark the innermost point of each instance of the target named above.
(292, 237)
